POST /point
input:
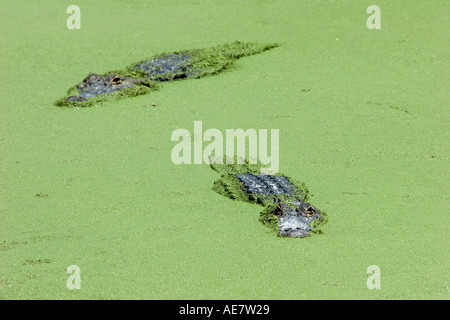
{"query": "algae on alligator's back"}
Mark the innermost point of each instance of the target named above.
(286, 210)
(143, 77)
(196, 63)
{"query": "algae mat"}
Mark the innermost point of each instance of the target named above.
(363, 118)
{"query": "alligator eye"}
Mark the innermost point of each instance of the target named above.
(116, 79)
(310, 210)
(279, 210)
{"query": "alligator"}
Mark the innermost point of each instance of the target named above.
(147, 75)
(286, 210)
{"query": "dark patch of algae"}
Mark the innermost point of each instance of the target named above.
(146, 75)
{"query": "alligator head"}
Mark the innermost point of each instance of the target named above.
(295, 221)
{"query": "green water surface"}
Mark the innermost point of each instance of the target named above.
(364, 123)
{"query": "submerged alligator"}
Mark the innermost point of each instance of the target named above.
(145, 76)
(286, 210)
